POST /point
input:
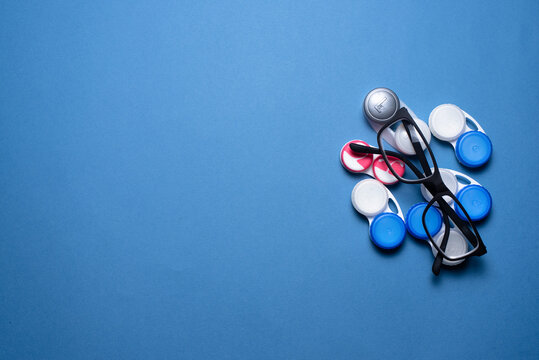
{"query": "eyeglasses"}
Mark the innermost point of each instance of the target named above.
(423, 169)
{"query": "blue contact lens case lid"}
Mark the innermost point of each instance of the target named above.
(414, 223)
(473, 149)
(387, 230)
(476, 200)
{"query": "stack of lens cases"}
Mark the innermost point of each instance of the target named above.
(372, 199)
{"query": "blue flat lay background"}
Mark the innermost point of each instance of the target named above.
(171, 185)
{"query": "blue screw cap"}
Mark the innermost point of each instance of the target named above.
(414, 223)
(476, 200)
(473, 149)
(387, 230)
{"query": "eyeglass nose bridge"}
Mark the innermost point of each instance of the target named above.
(435, 184)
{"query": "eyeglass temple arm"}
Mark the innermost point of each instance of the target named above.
(437, 265)
(362, 149)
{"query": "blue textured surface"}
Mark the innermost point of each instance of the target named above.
(473, 149)
(476, 200)
(387, 231)
(414, 221)
(171, 184)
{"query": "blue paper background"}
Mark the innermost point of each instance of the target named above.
(170, 185)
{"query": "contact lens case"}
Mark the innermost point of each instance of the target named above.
(371, 199)
(473, 148)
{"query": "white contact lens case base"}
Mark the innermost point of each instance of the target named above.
(456, 246)
(370, 198)
(450, 179)
(402, 139)
(398, 138)
(447, 122)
